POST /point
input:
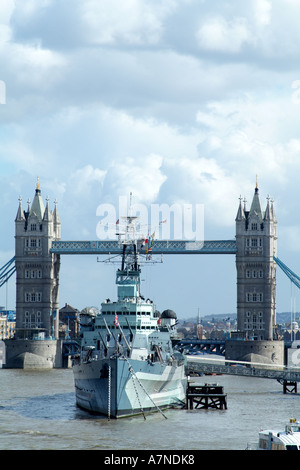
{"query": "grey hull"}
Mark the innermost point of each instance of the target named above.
(122, 387)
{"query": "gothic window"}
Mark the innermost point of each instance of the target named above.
(33, 227)
(248, 273)
(260, 274)
(27, 273)
(254, 273)
(33, 243)
(33, 297)
(254, 242)
(254, 226)
(254, 297)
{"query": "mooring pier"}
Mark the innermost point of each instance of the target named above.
(205, 396)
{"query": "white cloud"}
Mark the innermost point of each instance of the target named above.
(84, 178)
(142, 177)
(221, 35)
(6, 9)
(263, 10)
(133, 22)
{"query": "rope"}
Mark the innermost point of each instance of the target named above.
(109, 392)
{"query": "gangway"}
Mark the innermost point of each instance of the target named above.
(205, 365)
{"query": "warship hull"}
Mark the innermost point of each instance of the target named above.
(120, 387)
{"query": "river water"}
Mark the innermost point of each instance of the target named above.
(38, 412)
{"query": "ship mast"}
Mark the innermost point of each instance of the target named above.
(129, 274)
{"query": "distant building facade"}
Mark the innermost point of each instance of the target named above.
(7, 324)
(69, 322)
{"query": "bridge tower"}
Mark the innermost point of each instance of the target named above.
(37, 284)
(256, 244)
(256, 241)
(37, 270)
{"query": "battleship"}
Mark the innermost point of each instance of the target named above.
(127, 364)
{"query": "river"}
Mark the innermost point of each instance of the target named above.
(38, 412)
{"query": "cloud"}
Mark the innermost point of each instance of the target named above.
(105, 23)
(263, 10)
(176, 101)
(143, 178)
(220, 35)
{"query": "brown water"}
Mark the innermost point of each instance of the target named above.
(38, 411)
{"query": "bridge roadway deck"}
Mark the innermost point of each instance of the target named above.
(207, 365)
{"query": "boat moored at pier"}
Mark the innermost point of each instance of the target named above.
(289, 439)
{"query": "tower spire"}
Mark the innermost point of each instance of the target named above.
(255, 206)
(38, 185)
(38, 207)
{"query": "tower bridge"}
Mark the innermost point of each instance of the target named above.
(38, 250)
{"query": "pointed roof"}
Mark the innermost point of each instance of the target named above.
(37, 206)
(240, 213)
(47, 214)
(20, 214)
(255, 206)
(268, 212)
(273, 211)
(55, 213)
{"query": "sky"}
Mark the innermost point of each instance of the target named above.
(176, 101)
